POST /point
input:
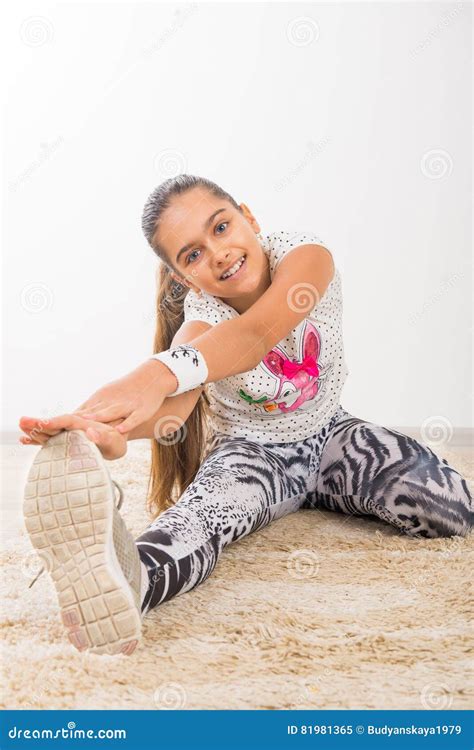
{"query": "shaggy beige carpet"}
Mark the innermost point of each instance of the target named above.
(317, 610)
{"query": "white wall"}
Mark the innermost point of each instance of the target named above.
(352, 120)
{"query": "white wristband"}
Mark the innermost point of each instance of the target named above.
(187, 364)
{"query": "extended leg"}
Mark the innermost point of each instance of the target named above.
(369, 469)
(240, 487)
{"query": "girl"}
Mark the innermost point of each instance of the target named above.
(246, 379)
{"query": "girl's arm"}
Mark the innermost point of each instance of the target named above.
(238, 345)
(232, 346)
(175, 410)
(171, 416)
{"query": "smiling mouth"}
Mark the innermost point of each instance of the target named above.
(242, 264)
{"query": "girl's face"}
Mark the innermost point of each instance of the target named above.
(204, 237)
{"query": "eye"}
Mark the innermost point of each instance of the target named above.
(221, 224)
(190, 255)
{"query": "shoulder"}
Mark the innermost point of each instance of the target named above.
(297, 287)
(203, 307)
(279, 244)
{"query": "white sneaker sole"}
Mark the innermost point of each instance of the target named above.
(68, 509)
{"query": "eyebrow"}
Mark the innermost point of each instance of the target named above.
(206, 225)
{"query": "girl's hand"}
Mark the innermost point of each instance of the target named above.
(135, 398)
(111, 443)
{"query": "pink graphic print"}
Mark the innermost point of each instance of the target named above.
(298, 379)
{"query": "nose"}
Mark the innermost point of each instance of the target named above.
(222, 256)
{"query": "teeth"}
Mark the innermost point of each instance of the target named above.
(234, 269)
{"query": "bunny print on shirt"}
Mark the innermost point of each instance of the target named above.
(298, 381)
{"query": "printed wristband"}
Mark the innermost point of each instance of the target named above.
(187, 364)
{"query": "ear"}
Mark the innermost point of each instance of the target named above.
(250, 217)
(311, 341)
(176, 278)
(183, 282)
(274, 361)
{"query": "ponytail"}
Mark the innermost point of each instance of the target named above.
(174, 464)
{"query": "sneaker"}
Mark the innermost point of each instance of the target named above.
(73, 522)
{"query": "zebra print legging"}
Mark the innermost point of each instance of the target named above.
(350, 466)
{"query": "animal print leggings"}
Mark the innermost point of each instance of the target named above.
(350, 466)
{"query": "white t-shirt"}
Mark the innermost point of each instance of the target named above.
(277, 402)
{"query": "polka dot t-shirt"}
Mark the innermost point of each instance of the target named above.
(295, 390)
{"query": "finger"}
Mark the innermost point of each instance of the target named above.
(90, 402)
(30, 422)
(44, 432)
(32, 434)
(30, 428)
(48, 425)
(93, 434)
(26, 440)
(88, 407)
(105, 439)
(116, 411)
(41, 431)
(56, 425)
(29, 441)
(98, 435)
(130, 422)
(34, 440)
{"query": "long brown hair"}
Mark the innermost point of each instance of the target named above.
(174, 464)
